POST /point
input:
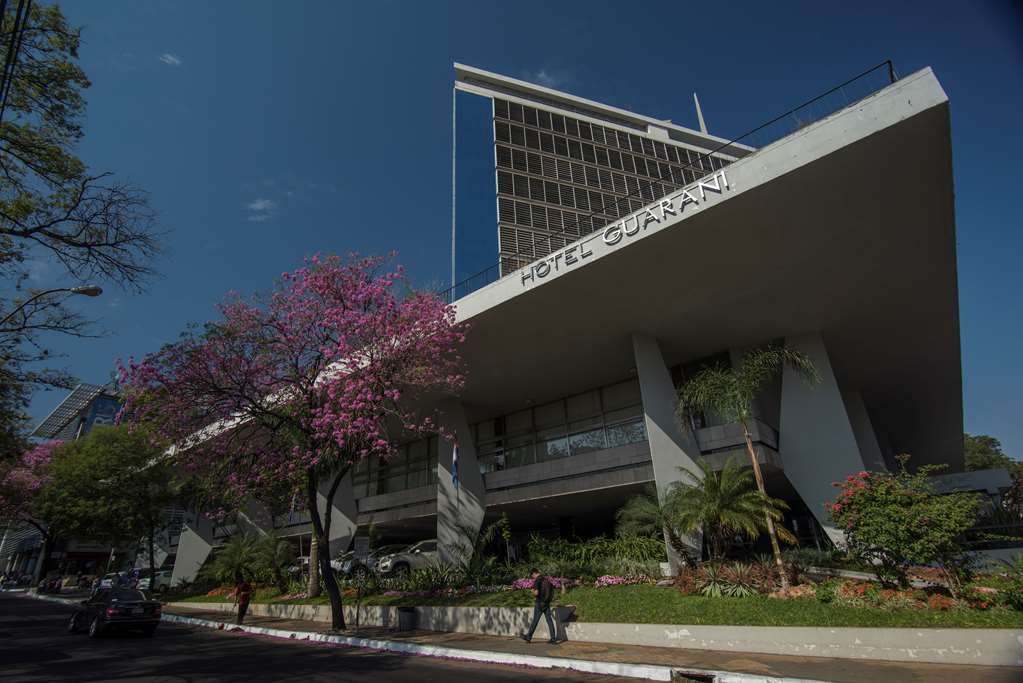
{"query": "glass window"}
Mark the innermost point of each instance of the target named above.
(625, 433)
(529, 114)
(501, 131)
(549, 415)
(586, 442)
(519, 422)
(622, 394)
(519, 452)
(551, 449)
(486, 430)
(583, 405)
(544, 119)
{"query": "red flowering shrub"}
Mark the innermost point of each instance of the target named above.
(894, 520)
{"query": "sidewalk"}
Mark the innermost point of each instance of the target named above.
(652, 663)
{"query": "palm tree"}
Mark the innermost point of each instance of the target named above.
(276, 554)
(730, 392)
(647, 515)
(723, 503)
(239, 556)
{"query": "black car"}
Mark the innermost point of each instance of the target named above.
(115, 608)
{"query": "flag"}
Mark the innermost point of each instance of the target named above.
(454, 465)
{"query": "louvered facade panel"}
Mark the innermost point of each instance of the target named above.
(560, 178)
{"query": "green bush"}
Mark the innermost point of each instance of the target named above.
(826, 591)
(894, 520)
(594, 551)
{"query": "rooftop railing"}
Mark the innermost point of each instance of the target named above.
(827, 103)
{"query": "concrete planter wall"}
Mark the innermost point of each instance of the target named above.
(489, 621)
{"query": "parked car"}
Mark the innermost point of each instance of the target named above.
(348, 565)
(115, 608)
(300, 567)
(110, 580)
(162, 581)
(422, 554)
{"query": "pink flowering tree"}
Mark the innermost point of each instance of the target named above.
(892, 520)
(22, 483)
(285, 394)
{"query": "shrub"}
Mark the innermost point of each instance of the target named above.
(941, 602)
(711, 582)
(825, 592)
(740, 581)
(893, 520)
(547, 551)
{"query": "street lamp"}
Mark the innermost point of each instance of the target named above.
(84, 290)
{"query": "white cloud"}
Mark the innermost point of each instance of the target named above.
(547, 77)
(258, 217)
(170, 59)
(262, 204)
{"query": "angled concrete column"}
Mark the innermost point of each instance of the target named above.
(863, 430)
(254, 518)
(459, 510)
(194, 546)
(670, 446)
(343, 517)
(816, 438)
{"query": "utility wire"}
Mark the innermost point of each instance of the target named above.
(13, 47)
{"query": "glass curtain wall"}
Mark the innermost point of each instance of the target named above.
(414, 465)
(591, 421)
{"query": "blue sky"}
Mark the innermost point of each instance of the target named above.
(266, 131)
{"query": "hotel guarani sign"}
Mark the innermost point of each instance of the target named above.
(617, 233)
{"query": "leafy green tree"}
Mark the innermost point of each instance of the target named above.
(111, 485)
(983, 452)
(53, 207)
(730, 392)
(276, 554)
(723, 503)
(892, 520)
(646, 515)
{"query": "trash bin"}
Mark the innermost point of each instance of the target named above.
(406, 618)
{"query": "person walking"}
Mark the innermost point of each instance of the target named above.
(543, 591)
(242, 595)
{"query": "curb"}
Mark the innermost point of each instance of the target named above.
(650, 672)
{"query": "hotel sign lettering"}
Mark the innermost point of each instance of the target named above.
(620, 231)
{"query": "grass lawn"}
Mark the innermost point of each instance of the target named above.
(657, 605)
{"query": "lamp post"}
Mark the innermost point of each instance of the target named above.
(84, 290)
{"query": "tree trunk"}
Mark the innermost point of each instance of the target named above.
(680, 548)
(313, 587)
(321, 538)
(44, 554)
(152, 558)
(772, 534)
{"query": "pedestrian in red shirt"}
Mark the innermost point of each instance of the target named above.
(242, 595)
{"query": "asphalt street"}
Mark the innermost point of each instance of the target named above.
(34, 646)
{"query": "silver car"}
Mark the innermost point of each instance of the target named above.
(422, 554)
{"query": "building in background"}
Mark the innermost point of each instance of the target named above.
(87, 406)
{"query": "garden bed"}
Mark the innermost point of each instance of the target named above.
(665, 605)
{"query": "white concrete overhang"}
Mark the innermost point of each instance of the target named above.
(488, 84)
(845, 227)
